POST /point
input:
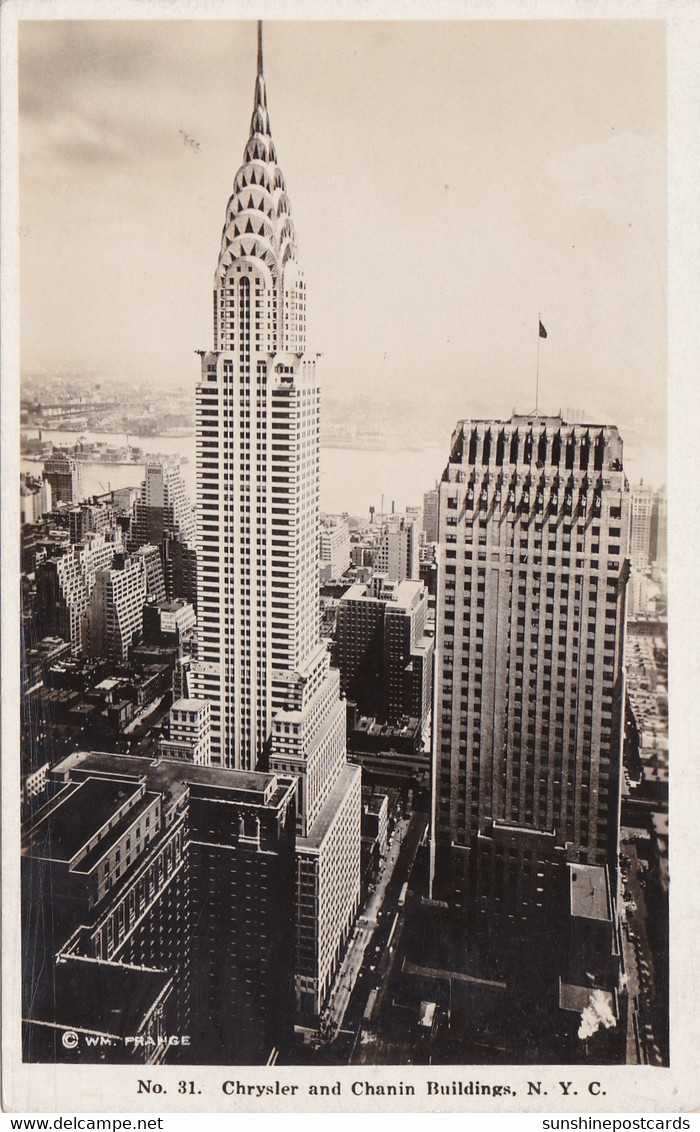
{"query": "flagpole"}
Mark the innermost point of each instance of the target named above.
(537, 385)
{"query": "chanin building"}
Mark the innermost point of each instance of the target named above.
(533, 525)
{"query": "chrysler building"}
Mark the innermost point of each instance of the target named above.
(261, 660)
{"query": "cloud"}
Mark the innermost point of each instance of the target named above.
(46, 83)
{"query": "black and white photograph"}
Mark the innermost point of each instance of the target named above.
(338, 710)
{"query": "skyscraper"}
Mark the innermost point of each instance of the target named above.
(642, 508)
(65, 475)
(115, 610)
(533, 523)
(398, 550)
(163, 517)
(258, 422)
(384, 653)
(163, 509)
(659, 528)
(261, 659)
(430, 514)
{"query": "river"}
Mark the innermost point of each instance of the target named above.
(352, 479)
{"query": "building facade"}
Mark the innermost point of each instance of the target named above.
(384, 653)
(659, 529)
(35, 499)
(163, 509)
(189, 732)
(65, 475)
(261, 662)
(114, 619)
(398, 551)
(642, 500)
(152, 566)
(334, 545)
(430, 515)
(163, 517)
(65, 582)
(532, 563)
(159, 898)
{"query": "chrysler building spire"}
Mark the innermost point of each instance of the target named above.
(259, 233)
(260, 144)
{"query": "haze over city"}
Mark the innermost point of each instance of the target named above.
(531, 181)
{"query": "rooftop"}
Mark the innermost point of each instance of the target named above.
(105, 998)
(186, 704)
(589, 892)
(172, 777)
(329, 812)
(78, 815)
(377, 589)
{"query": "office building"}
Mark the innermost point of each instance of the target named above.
(383, 650)
(532, 562)
(65, 475)
(114, 619)
(168, 624)
(659, 529)
(430, 515)
(152, 566)
(65, 582)
(398, 551)
(334, 543)
(309, 740)
(35, 499)
(258, 406)
(163, 509)
(189, 732)
(642, 500)
(158, 898)
(88, 516)
(163, 517)
(260, 661)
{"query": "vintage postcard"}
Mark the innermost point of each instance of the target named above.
(349, 553)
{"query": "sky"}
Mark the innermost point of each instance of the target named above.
(450, 182)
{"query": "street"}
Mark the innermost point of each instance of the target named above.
(371, 932)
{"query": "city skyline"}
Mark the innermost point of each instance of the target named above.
(584, 245)
(533, 797)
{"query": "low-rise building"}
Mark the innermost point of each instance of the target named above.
(189, 732)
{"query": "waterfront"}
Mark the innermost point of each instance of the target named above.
(352, 479)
